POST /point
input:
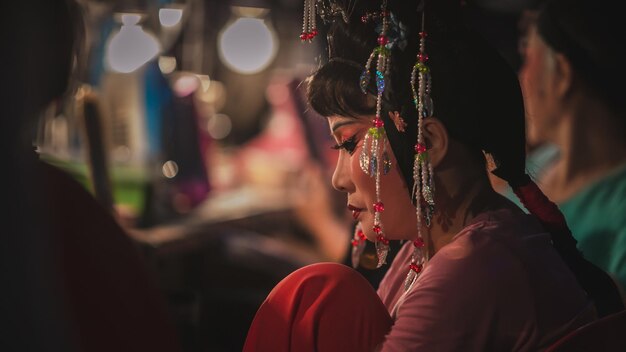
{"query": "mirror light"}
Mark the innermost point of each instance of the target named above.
(131, 47)
(247, 45)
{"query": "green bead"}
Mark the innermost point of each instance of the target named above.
(382, 50)
(374, 132)
(422, 68)
(422, 157)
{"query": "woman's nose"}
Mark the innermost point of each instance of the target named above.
(342, 177)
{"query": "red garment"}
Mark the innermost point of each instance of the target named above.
(321, 307)
(113, 300)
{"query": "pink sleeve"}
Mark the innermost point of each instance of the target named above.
(454, 305)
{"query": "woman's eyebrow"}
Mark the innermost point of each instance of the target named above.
(340, 124)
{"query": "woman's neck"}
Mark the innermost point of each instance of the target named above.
(592, 144)
(459, 206)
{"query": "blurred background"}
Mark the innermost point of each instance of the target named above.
(188, 122)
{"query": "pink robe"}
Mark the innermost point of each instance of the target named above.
(498, 286)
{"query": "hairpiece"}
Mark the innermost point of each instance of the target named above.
(309, 21)
(398, 121)
(423, 181)
(374, 159)
(328, 10)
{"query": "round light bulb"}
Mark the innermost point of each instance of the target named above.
(247, 45)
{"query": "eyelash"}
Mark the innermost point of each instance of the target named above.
(348, 145)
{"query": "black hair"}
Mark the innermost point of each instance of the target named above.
(590, 34)
(476, 95)
(474, 89)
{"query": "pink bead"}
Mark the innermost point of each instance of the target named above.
(422, 57)
(379, 207)
(423, 34)
(420, 148)
(378, 123)
(364, 18)
(419, 243)
(382, 40)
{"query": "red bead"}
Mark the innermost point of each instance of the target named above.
(422, 57)
(378, 123)
(419, 243)
(420, 148)
(361, 235)
(379, 207)
(304, 36)
(355, 243)
(314, 33)
(416, 267)
(382, 40)
(382, 239)
(423, 34)
(377, 229)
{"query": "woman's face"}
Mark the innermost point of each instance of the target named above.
(538, 87)
(398, 218)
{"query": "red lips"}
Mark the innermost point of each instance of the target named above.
(355, 211)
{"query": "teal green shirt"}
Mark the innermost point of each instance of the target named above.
(596, 215)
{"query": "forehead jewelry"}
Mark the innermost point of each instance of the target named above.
(423, 181)
(374, 159)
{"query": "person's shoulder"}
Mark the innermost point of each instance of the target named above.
(491, 248)
(605, 198)
(57, 180)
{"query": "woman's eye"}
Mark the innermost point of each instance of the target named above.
(348, 145)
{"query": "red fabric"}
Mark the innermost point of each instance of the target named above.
(538, 204)
(321, 307)
(114, 302)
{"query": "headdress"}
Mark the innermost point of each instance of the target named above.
(374, 159)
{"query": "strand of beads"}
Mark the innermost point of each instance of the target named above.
(309, 25)
(423, 181)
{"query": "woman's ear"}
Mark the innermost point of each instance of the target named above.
(563, 74)
(436, 138)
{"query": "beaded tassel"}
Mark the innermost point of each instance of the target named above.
(309, 25)
(374, 158)
(358, 246)
(423, 181)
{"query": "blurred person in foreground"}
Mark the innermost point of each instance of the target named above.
(412, 98)
(572, 79)
(77, 281)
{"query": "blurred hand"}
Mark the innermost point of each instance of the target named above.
(314, 208)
